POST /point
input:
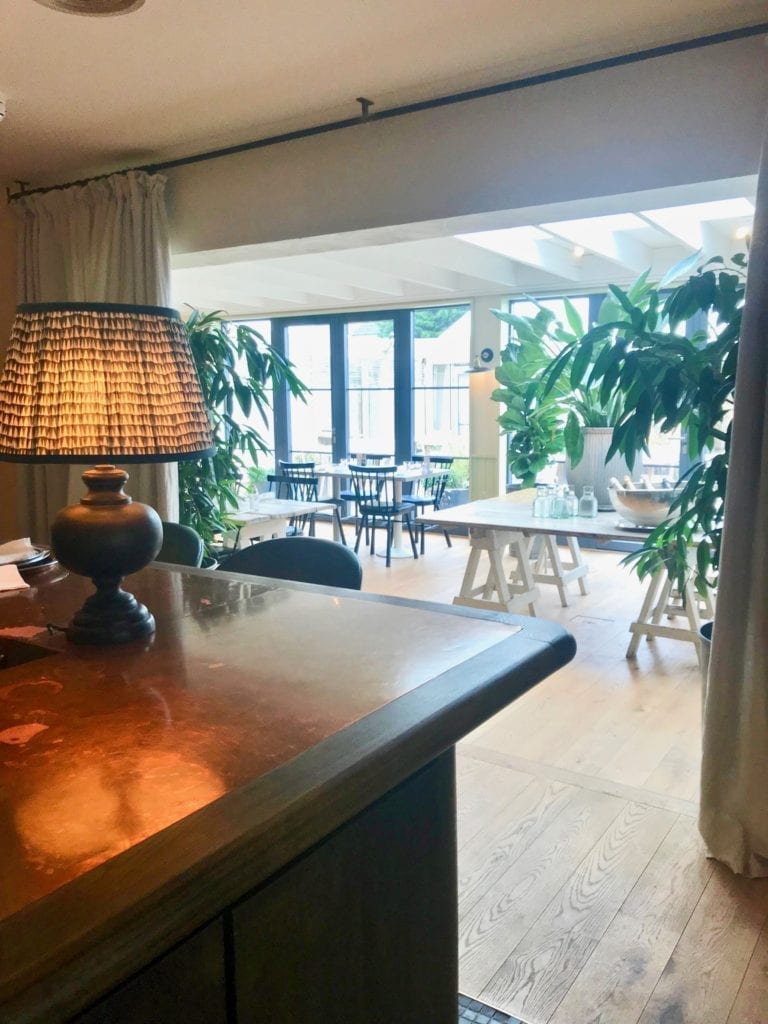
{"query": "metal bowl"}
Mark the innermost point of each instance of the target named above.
(642, 507)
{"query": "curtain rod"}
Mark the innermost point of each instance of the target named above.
(410, 108)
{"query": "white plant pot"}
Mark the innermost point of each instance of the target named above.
(592, 469)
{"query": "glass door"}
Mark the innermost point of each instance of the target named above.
(370, 386)
(308, 346)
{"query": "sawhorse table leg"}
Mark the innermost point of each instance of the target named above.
(550, 568)
(498, 592)
(658, 602)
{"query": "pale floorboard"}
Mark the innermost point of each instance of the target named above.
(585, 894)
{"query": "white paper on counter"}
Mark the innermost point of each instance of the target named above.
(10, 578)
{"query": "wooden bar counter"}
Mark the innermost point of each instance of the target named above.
(251, 818)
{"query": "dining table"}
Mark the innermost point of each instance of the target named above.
(406, 473)
(506, 526)
(270, 517)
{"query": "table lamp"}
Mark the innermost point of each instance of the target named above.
(95, 383)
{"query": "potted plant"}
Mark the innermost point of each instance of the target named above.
(549, 411)
(457, 484)
(236, 367)
(662, 378)
(544, 422)
(255, 482)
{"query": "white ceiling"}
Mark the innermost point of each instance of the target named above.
(565, 250)
(180, 76)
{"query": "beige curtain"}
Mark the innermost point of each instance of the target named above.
(105, 241)
(734, 788)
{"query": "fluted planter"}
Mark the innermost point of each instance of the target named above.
(592, 469)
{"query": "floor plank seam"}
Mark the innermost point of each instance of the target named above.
(595, 783)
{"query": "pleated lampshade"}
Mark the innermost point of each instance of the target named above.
(87, 381)
(95, 382)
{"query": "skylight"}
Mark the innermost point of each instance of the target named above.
(685, 222)
(507, 241)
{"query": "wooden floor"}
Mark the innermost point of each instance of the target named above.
(585, 895)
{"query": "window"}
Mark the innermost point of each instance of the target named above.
(441, 358)
(388, 384)
(370, 387)
(311, 435)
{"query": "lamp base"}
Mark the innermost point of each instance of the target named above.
(106, 537)
(110, 616)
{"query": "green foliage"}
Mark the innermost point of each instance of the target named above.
(661, 378)
(255, 477)
(430, 323)
(458, 475)
(427, 323)
(547, 410)
(236, 368)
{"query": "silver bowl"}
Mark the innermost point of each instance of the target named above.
(642, 507)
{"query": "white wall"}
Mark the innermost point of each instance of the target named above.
(687, 117)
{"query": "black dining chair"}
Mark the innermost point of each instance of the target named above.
(428, 494)
(297, 474)
(369, 459)
(181, 545)
(296, 488)
(303, 559)
(374, 489)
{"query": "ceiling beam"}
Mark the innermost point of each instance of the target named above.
(204, 289)
(363, 278)
(618, 247)
(540, 253)
(282, 272)
(396, 258)
(468, 260)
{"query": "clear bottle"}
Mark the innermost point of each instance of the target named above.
(588, 503)
(560, 508)
(572, 502)
(541, 503)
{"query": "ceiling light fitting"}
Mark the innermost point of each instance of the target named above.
(93, 8)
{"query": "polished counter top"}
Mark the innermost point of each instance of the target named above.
(253, 697)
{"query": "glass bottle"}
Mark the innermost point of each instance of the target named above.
(588, 503)
(541, 503)
(551, 496)
(560, 505)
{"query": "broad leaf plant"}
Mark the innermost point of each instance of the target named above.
(541, 418)
(661, 377)
(237, 367)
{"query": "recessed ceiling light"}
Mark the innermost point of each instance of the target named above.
(743, 232)
(93, 8)
(578, 251)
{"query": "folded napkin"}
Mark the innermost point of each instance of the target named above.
(10, 578)
(16, 551)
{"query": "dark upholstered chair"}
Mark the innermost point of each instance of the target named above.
(304, 559)
(181, 545)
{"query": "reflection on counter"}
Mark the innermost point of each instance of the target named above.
(86, 813)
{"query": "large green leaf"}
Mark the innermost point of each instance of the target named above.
(574, 439)
(572, 316)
